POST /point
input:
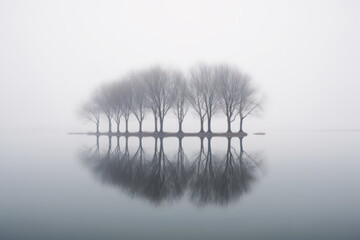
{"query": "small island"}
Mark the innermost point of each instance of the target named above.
(205, 90)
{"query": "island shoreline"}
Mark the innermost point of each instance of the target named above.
(162, 135)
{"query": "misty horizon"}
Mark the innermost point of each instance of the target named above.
(182, 119)
(305, 66)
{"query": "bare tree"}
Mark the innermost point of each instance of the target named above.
(211, 87)
(196, 96)
(151, 92)
(103, 99)
(140, 100)
(90, 111)
(249, 102)
(154, 110)
(160, 89)
(204, 78)
(181, 99)
(126, 93)
(116, 104)
(230, 79)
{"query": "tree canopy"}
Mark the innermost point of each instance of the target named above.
(205, 90)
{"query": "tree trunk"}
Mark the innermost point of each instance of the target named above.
(180, 127)
(140, 126)
(127, 125)
(241, 125)
(155, 120)
(201, 125)
(209, 125)
(118, 127)
(229, 125)
(161, 124)
(97, 128)
(109, 124)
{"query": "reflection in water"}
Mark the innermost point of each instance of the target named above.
(208, 179)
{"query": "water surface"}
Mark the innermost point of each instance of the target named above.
(277, 186)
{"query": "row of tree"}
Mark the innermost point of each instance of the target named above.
(206, 90)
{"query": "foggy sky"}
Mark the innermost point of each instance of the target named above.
(304, 55)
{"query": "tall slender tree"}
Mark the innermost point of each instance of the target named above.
(250, 102)
(181, 99)
(230, 80)
(196, 96)
(126, 94)
(91, 111)
(160, 90)
(211, 87)
(104, 100)
(140, 103)
(116, 104)
(204, 78)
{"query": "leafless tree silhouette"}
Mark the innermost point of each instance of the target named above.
(126, 94)
(160, 84)
(230, 80)
(91, 112)
(116, 104)
(206, 85)
(104, 100)
(158, 89)
(196, 96)
(140, 97)
(181, 99)
(249, 102)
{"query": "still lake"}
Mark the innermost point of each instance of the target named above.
(298, 185)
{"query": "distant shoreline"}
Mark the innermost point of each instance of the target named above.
(165, 134)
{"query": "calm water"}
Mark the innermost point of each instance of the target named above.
(277, 186)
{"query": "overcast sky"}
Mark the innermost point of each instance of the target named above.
(304, 55)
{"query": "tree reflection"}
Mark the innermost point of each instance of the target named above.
(162, 181)
(208, 178)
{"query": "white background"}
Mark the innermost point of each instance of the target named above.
(303, 54)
